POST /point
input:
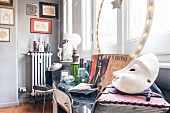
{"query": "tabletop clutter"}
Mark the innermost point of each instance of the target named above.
(77, 80)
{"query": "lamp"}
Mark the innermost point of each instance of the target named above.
(48, 73)
(55, 66)
(75, 40)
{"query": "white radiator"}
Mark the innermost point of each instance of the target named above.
(40, 62)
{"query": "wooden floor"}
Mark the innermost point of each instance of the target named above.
(28, 108)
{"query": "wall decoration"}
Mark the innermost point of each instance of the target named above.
(48, 10)
(146, 31)
(4, 34)
(117, 4)
(41, 26)
(6, 2)
(6, 16)
(31, 9)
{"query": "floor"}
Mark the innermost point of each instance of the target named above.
(28, 108)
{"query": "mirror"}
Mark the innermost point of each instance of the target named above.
(144, 34)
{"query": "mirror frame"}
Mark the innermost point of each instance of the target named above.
(146, 31)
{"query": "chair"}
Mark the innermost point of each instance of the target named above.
(42, 90)
(64, 100)
(46, 89)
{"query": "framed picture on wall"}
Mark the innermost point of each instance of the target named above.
(4, 34)
(48, 10)
(6, 2)
(40, 26)
(31, 9)
(6, 16)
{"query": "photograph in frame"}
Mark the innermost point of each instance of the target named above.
(6, 16)
(42, 26)
(48, 10)
(4, 34)
(6, 2)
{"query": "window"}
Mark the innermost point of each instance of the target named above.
(137, 15)
(136, 12)
(161, 22)
(117, 28)
(86, 24)
(107, 26)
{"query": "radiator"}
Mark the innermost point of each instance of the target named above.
(40, 62)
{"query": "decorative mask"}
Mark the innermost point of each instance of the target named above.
(138, 75)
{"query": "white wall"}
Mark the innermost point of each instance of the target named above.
(8, 68)
(15, 65)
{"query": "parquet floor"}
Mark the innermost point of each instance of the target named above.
(28, 108)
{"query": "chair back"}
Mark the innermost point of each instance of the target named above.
(64, 100)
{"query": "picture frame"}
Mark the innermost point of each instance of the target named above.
(48, 10)
(6, 16)
(42, 26)
(6, 2)
(31, 9)
(4, 34)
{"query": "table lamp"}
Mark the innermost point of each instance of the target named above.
(75, 40)
(55, 66)
(48, 72)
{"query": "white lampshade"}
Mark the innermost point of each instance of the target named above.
(55, 66)
(74, 40)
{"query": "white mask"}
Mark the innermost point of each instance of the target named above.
(138, 75)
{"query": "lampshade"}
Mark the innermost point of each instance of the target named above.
(74, 40)
(55, 66)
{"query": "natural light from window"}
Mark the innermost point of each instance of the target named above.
(87, 24)
(137, 12)
(107, 25)
(137, 16)
(161, 21)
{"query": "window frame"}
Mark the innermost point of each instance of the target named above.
(124, 45)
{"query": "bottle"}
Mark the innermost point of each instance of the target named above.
(47, 47)
(81, 70)
(74, 71)
(35, 45)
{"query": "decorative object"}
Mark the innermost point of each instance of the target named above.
(4, 34)
(31, 9)
(146, 31)
(75, 40)
(103, 66)
(41, 45)
(138, 75)
(48, 10)
(117, 4)
(6, 16)
(55, 66)
(41, 26)
(6, 2)
(67, 49)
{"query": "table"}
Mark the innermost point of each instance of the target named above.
(80, 102)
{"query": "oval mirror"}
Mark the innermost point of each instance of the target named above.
(137, 22)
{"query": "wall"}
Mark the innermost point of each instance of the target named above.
(15, 65)
(8, 68)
